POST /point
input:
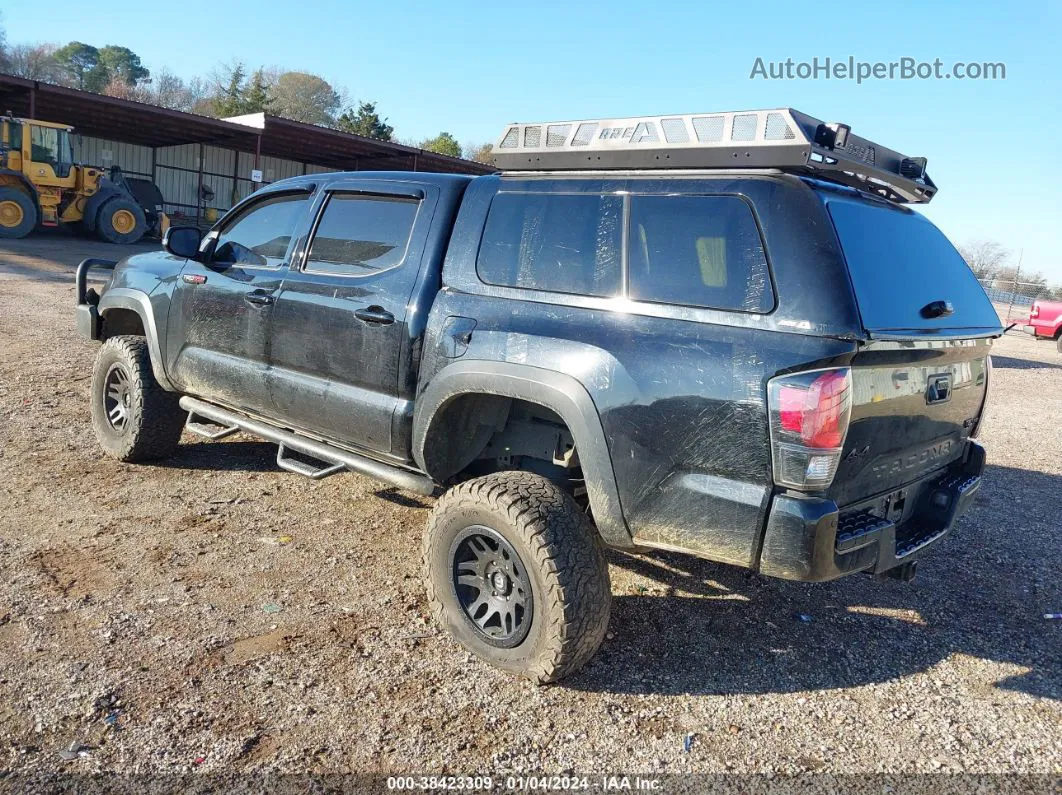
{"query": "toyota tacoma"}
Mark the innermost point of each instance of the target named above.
(725, 334)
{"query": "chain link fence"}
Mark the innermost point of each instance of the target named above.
(1013, 299)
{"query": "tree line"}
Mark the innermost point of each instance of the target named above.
(228, 90)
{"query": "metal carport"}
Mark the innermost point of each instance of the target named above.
(201, 163)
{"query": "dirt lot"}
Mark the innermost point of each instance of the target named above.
(214, 613)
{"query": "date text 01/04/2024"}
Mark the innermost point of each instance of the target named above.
(523, 783)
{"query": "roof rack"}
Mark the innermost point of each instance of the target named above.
(783, 138)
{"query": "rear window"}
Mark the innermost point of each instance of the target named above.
(900, 263)
(702, 251)
(564, 243)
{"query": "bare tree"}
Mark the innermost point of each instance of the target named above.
(117, 87)
(481, 153)
(3, 44)
(33, 62)
(986, 258)
(170, 91)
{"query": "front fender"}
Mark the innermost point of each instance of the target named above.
(139, 302)
(558, 392)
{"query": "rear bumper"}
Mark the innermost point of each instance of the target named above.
(1040, 329)
(810, 539)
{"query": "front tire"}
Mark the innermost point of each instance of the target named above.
(120, 221)
(516, 573)
(133, 417)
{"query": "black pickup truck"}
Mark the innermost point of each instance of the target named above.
(723, 334)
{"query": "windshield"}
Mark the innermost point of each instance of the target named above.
(50, 145)
(901, 265)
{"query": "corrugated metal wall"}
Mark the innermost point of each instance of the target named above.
(188, 184)
(131, 158)
(189, 187)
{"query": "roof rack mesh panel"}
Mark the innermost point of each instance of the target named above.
(675, 131)
(585, 134)
(511, 139)
(557, 134)
(744, 127)
(708, 128)
(778, 129)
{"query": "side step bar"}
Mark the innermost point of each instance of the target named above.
(333, 457)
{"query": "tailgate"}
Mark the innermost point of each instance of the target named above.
(919, 384)
(914, 405)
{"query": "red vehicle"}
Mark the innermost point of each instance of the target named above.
(1045, 320)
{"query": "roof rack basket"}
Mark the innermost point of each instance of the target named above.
(783, 139)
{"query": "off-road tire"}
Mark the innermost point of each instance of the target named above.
(105, 227)
(29, 215)
(154, 420)
(562, 556)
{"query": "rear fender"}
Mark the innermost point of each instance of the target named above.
(560, 393)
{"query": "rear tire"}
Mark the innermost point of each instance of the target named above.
(516, 573)
(1059, 344)
(133, 417)
(18, 213)
(120, 221)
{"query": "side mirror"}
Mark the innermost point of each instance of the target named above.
(182, 241)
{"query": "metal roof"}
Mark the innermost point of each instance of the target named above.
(150, 125)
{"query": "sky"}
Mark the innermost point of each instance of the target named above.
(468, 68)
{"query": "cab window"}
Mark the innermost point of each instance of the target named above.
(563, 243)
(44, 144)
(700, 251)
(261, 235)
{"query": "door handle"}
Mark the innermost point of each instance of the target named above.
(375, 314)
(259, 298)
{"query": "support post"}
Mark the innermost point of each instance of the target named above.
(199, 190)
(234, 194)
(33, 101)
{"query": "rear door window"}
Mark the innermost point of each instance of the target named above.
(361, 234)
(900, 263)
(702, 251)
(564, 243)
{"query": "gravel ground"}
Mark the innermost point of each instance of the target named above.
(215, 614)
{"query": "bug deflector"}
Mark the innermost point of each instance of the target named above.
(783, 138)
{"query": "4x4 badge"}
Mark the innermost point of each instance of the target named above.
(857, 452)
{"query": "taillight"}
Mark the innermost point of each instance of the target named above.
(809, 421)
(1034, 312)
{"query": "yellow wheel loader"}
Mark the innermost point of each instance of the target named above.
(41, 185)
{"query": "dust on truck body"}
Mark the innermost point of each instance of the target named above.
(724, 334)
